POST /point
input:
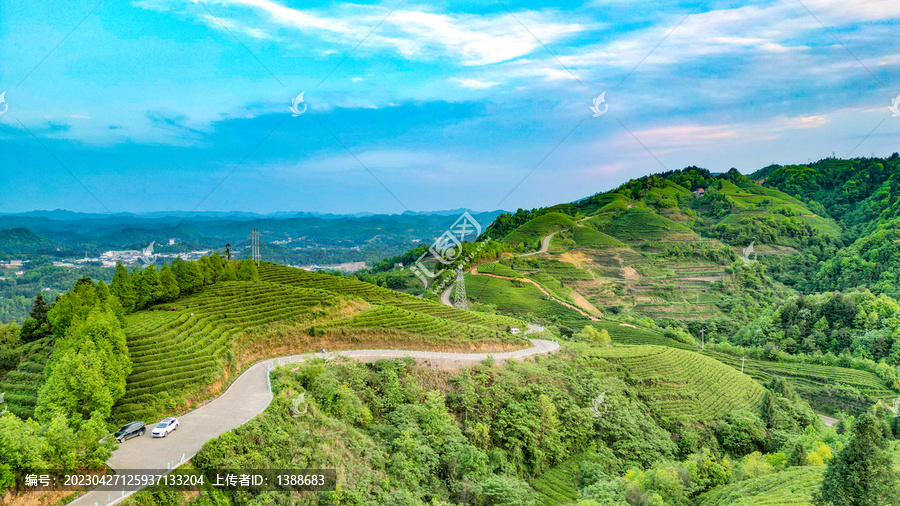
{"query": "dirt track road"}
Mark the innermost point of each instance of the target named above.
(249, 396)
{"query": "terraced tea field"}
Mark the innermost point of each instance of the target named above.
(21, 385)
(498, 269)
(637, 224)
(809, 377)
(793, 486)
(556, 486)
(180, 350)
(175, 352)
(375, 294)
(680, 383)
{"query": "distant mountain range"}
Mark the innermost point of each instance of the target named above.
(66, 215)
(286, 237)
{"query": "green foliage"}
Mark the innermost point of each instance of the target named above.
(591, 334)
(742, 432)
(862, 473)
(73, 306)
(168, 285)
(248, 271)
(123, 288)
(37, 325)
(87, 371)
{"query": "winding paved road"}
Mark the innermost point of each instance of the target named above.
(249, 396)
(545, 245)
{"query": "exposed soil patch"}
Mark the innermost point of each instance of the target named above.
(628, 272)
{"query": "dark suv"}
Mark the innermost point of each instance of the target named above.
(130, 430)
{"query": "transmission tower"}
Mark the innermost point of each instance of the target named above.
(459, 300)
(254, 248)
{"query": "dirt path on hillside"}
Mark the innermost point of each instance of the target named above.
(250, 395)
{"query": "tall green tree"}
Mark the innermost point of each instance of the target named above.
(168, 284)
(123, 288)
(862, 474)
(189, 276)
(206, 269)
(37, 325)
(228, 274)
(103, 292)
(151, 287)
(73, 306)
(248, 271)
(217, 264)
(86, 373)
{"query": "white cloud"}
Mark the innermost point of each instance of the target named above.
(475, 84)
(416, 34)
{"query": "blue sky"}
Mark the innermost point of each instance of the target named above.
(154, 105)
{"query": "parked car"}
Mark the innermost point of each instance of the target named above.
(130, 430)
(164, 427)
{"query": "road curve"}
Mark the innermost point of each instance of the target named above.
(545, 245)
(249, 396)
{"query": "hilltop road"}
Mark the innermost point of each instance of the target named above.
(249, 396)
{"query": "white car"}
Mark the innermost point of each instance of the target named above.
(164, 427)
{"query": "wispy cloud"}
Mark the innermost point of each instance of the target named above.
(475, 84)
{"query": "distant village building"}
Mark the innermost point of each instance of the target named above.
(515, 330)
(699, 192)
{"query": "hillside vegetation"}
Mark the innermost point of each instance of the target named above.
(184, 350)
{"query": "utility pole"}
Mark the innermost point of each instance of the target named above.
(743, 359)
(254, 245)
(702, 338)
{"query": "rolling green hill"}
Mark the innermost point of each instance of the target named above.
(535, 230)
(184, 351)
